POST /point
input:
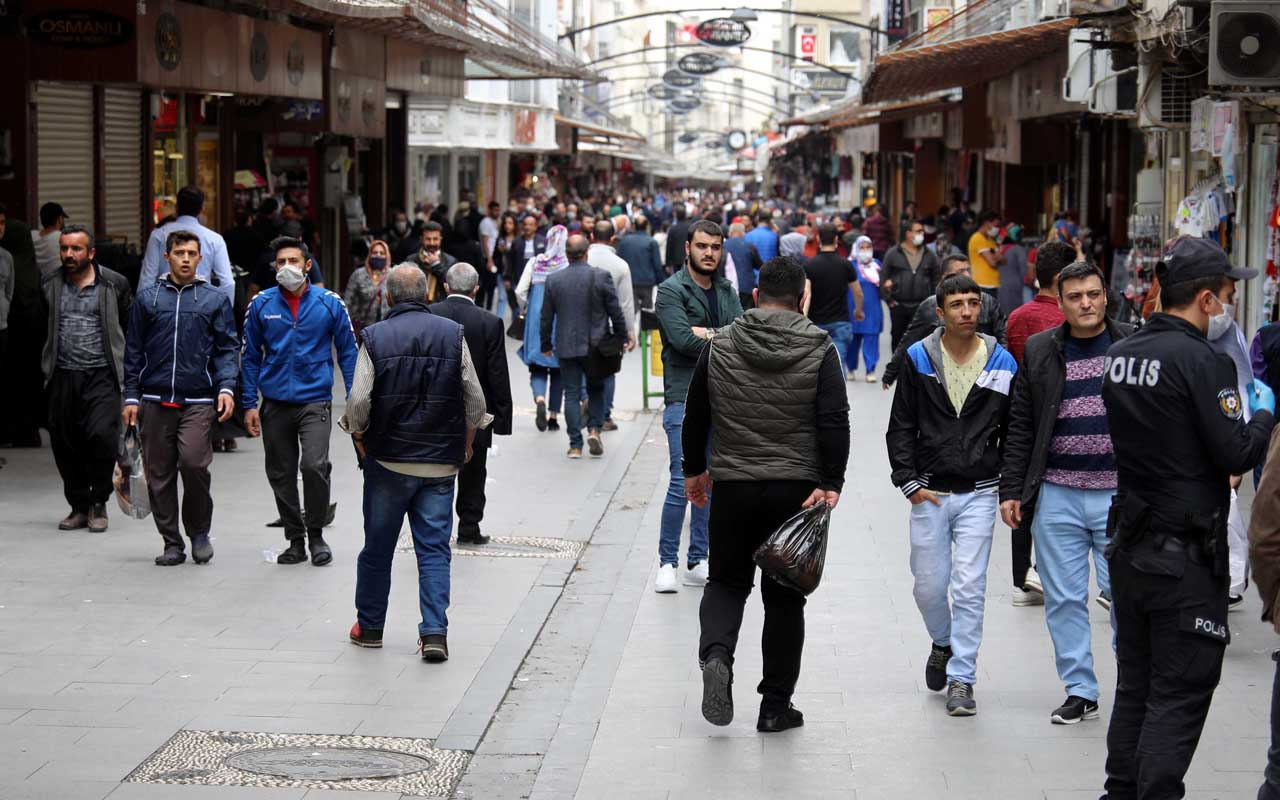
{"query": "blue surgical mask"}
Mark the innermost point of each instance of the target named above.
(378, 262)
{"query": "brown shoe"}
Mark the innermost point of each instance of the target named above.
(74, 521)
(98, 518)
(575, 452)
(609, 425)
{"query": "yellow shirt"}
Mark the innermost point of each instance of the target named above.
(986, 275)
(960, 378)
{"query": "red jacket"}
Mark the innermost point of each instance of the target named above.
(1028, 319)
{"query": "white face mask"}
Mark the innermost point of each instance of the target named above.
(993, 232)
(290, 277)
(1220, 323)
(865, 256)
(917, 239)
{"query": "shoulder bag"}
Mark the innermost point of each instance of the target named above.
(604, 357)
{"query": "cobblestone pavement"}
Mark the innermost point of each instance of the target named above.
(567, 678)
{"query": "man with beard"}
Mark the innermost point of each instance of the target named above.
(433, 261)
(85, 306)
(691, 305)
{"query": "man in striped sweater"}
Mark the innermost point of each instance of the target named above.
(1059, 472)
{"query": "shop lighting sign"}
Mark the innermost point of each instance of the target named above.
(80, 29)
(688, 137)
(685, 103)
(723, 32)
(661, 91)
(679, 80)
(700, 63)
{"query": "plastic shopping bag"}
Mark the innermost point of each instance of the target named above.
(129, 478)
(794, 554)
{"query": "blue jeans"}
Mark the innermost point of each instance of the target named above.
(841, 335)
(574, 377)
(1068, 524)
(950, 548)
(675, 502)
(869, 343)
(538, 380)
(388, 496)
(610, 383)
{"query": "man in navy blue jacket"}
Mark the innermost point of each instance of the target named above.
(290, 331)
(180, 367)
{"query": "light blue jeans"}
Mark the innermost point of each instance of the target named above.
(1068, 524)
(841, 334)
(950, 548)
(674, 504)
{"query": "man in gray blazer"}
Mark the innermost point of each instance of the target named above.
(581, 306)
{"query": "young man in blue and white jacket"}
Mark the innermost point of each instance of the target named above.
(946, 430)
(290, 333)
(180, 367)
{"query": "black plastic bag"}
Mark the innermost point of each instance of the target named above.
(129, 476)
(794, 554)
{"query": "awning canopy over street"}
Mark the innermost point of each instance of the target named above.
(974, 46)
(498, 45)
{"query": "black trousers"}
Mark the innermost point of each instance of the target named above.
(899, 320)
(471, 478)
(175, 442)
(84, 428)
(295, 438)
(1020, 540)
(748, 302)
(743, 514)
(1171, 632)
(1270, 789)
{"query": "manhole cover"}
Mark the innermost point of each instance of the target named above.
(328, 763)
(507, 547)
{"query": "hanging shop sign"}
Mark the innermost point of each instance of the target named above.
(700, 62)
(79, 29)
(688, 137)
(685, 103)
(895, 19)
(724, 32)
(821, 80)
(661, 91)
(679, 80)
(713, 144)
(736, 139)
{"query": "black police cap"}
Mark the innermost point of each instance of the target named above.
(1189, 259)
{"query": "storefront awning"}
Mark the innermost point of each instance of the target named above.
(982, 42)
(598, 130)
(497, 44)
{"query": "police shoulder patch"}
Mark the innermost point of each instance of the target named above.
(1229, 403)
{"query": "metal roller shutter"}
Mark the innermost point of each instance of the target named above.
(64, 144)
(122, 164)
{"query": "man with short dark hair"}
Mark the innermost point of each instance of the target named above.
(1042, 312)
(944, 438)
(1059, 472)
(290, 333)
(214, 263)
(984, 252)
(180, 365)
(677, 237)
(413, 411)
(46, 240)
(1175, 414)
(773, 451)
(692, 305)
(763, 237)
(486, 343)
(642, 254)
(580, 307)
(831, 278)
(909, 274)
(527, 245)
(433, 260)
(879, 230)
(746, 262)
(488, 232)
(86, 307)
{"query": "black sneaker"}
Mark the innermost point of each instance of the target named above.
(201, 549)
(362, 637)
(473, 538)
(935, 669)
(434, 648)
(1235, 602)
(776, 723)
(541, 419)
(717, 691)
(960, 702)
(295, 554)
(553, 423)
(1074, 710)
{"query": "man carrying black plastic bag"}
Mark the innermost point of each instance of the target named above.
(772, 388)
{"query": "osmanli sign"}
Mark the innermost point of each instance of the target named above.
(723, 32)
(79, 29)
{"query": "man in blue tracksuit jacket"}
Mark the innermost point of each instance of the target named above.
(290, 332)
(180, 364)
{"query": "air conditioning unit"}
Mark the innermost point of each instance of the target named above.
(1244, 43)
(1164, 97)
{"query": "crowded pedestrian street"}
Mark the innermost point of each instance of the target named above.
(568, 676)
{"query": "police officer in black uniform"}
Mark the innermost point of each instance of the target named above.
(1176, 421)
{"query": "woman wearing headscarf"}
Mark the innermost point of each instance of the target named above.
(364, 296)
(866, 332)
(544, 371)
(1013, 271)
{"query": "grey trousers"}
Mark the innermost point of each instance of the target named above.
(295, 437)
(175, 441)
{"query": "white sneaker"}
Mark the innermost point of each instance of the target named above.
(1027, 597)
(696, 576)
(1032, 581)
(665, 583)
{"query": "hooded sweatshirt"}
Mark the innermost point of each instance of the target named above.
(772, 385)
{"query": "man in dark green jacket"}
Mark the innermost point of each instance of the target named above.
(692, 304)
